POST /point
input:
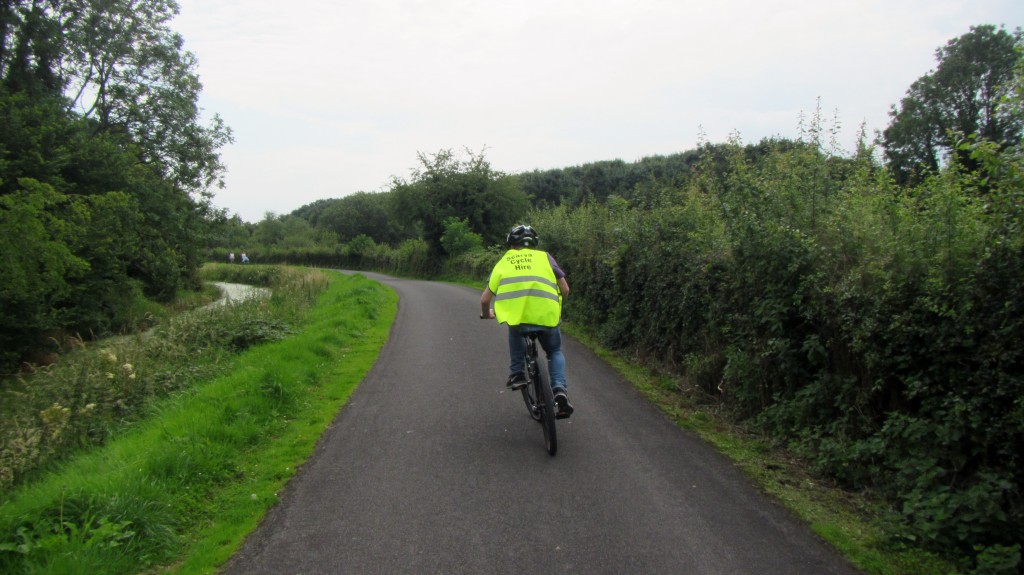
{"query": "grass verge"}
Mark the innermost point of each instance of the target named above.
(179, 490)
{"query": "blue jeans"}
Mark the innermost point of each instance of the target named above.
(550, 339)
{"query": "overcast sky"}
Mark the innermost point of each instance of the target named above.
(332, 97)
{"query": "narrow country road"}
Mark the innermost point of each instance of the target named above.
(433, 468)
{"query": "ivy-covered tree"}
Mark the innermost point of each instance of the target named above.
(30, 47)
(959, 98)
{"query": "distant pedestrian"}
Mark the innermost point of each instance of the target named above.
(245, 258)
(231, 258)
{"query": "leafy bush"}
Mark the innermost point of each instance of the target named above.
(474, 265)
(37, 263)
(70, 259)
(458, 238)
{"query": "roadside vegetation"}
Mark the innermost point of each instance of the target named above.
(859, 311)
(847, 324)
(106, 171)
(167, 448)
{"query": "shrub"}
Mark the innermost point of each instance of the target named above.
(458, 238)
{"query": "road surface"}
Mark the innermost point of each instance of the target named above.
(433, 468)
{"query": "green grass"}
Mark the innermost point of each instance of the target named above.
(179, 490)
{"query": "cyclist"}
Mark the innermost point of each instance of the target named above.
(527, 287)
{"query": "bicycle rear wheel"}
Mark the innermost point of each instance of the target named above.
(530, 395)
(546, 407)
(529, 392)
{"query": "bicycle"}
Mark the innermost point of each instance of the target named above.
(537, 393)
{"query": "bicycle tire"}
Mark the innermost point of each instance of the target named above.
(547, 410)
(529, 393)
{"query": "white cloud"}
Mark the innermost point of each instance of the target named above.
(332, 97)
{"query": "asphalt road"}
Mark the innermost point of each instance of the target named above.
(433, 468)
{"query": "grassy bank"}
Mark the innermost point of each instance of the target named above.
(184, 483)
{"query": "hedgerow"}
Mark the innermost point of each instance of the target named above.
(876, 330)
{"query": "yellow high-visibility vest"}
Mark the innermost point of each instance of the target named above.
(525, 289)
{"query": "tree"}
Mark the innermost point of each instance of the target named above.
(229, 233)
(446, 186)
(269, 231)
(358, 214)
(126, 68)
(299, 234)
(960, 97)
(101, 144)
(119, 63)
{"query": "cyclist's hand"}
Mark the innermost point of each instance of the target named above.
(488, 315)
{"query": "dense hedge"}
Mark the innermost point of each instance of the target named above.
(877, 330)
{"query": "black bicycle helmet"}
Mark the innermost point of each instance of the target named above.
(522, 236)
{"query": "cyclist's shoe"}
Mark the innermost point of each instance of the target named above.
(516, 381)
(563, 408)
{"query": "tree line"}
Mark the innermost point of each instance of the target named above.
(861, 308)
(961, 96)
(106, 169)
